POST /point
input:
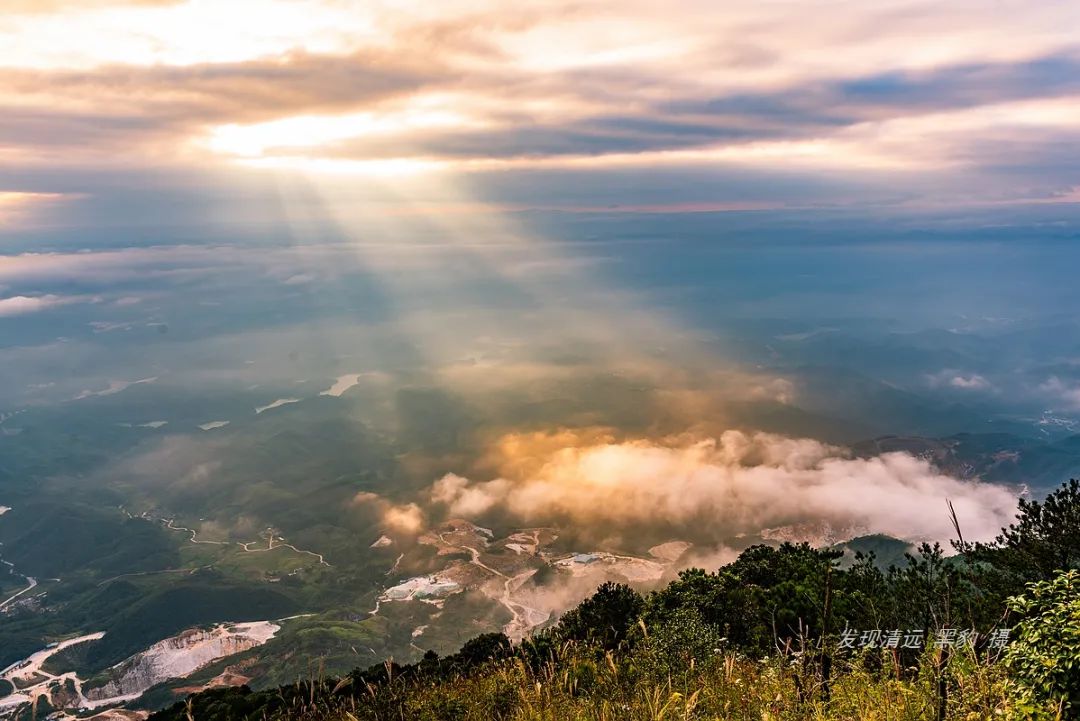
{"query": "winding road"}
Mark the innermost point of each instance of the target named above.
(524, 617)
(270, 536)
(31, 582)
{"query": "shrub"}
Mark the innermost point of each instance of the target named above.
(605, 618)
(1044, 656)
(682, 644)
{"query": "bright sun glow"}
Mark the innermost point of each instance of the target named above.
(312, 131)
(393, 167)
(198, 31)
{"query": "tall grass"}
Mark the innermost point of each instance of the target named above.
(579, 683)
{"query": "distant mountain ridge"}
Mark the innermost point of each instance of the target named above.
(990, 457)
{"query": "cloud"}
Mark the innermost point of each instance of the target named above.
(954, 379)
(539, 82)
(161, 106)
(979, 108)
(406, 519)
(128, 300)
(115, 387)
(43, 7)
(739, 483)
(1065, 394)
(972, 382)
(106, 266)
(300, 279)
(112, 267)
(624, 118)
(22, 304)
(18, 208)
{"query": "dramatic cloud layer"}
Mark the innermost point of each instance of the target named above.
(737, 484)
(41, 7)
(964, 101)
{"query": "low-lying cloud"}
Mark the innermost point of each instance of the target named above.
(953, 379)
(730, 486)
(406, 519)
(23, 304)
(1061, 393)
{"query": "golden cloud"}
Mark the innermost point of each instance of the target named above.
(738, 483)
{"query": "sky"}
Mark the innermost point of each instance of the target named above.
(168, 107)
(585, 172)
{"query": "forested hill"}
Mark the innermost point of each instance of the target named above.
(781, 633)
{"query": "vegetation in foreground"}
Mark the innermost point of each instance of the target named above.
(768, 637)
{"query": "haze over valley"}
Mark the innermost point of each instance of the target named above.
(447, 355)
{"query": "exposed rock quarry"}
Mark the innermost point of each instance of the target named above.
(181, 655)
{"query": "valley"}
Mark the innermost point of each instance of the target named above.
(523, 579)
(158, 532)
